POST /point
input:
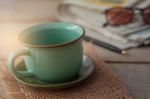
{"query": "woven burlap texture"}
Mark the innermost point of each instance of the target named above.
(102, 84)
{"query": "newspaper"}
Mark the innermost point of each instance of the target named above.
(93, 17)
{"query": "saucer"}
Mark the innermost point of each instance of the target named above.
(85, 71)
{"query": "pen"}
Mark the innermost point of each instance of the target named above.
(105, 45)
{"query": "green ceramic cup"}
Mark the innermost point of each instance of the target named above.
(53, 51)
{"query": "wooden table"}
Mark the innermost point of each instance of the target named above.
(132, 68)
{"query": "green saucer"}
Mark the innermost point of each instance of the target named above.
(85, 71)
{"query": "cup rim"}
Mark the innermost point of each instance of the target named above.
(54, 45)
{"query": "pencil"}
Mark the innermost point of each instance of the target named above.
(105, 45)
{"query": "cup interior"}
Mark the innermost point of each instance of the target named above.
(51, 34)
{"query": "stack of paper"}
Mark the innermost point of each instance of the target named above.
(90, 14)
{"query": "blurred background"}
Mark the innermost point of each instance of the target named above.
(132, 68)
(16, 15)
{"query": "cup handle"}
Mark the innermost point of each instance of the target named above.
(11, 59)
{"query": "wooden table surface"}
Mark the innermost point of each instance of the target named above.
(16, 15)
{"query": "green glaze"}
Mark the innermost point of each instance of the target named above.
(53, 52)
(85, 71)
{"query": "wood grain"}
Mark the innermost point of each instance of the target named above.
(136, 78)
(16, 15)
(134, 55)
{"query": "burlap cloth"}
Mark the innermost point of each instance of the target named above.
(102, 84)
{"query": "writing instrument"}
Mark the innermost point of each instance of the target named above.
(105, 45)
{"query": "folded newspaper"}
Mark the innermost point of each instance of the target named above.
(90, 14)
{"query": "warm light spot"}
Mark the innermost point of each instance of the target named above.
(9, 37)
